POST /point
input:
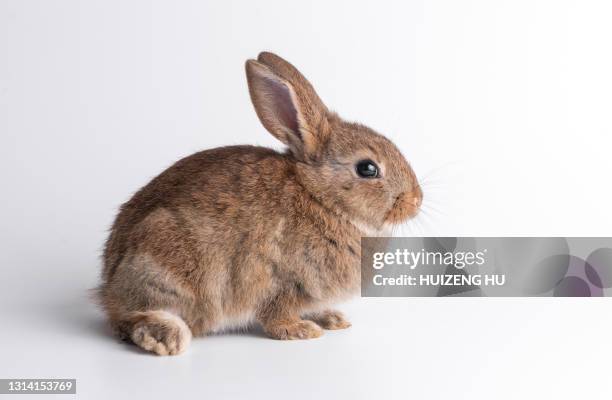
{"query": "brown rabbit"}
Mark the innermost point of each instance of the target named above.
(239, 234)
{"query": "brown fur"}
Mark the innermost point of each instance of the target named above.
(238, 234)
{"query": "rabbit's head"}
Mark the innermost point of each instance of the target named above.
(346, 166)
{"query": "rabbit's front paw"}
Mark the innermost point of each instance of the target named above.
(330, 319)
(301, 329)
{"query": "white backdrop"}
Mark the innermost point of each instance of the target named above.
(502, 106)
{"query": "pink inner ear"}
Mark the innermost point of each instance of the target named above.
(282, 105)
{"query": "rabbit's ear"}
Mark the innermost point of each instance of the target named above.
(288, 106)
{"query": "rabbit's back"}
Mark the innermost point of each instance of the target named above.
(217, 184)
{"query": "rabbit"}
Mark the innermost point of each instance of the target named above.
(238, 235)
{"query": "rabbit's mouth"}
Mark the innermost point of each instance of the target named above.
(406, 206)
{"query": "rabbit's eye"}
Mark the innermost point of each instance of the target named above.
(367, 169)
